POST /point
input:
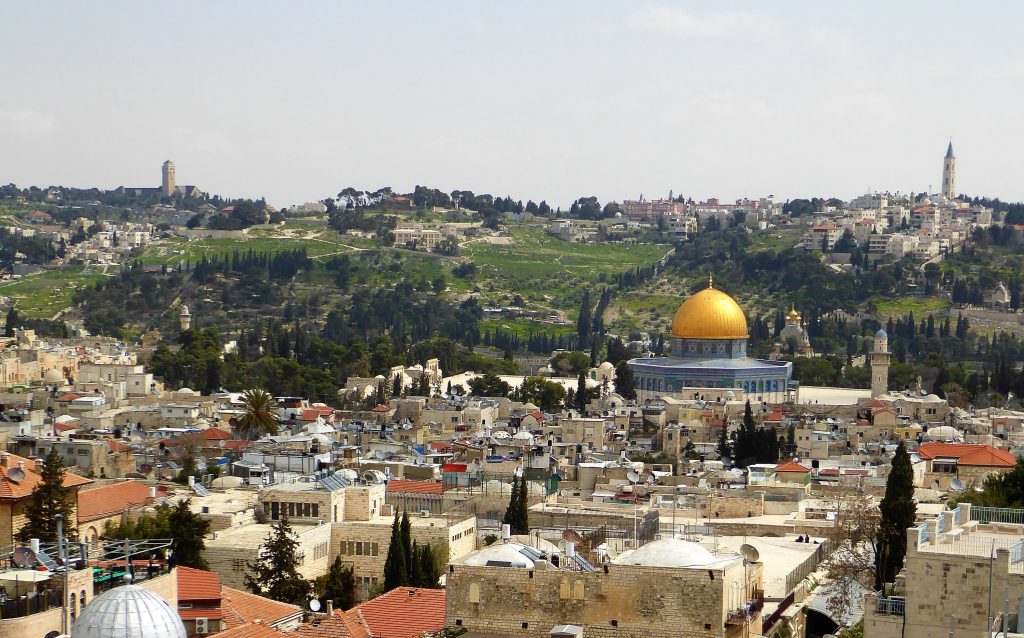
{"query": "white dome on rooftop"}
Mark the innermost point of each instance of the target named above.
(53, 375)
(668, 552)
(523, 435)
(186, 391)
(500, 555)
(129, 611)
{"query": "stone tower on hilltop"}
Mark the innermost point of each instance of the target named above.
(949, 173)
(167, 185)
(880, 364)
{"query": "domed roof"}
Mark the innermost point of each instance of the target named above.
(881, 334)
(184, 310)
(710, 314)
(607, 365)
(501, 555)
(668, 552)
(53, 375)
(129, 611)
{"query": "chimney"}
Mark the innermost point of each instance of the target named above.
(21, 465)
(506, 531)
(330, 608)
(152, 491)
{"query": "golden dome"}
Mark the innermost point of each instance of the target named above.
(793, 314)
(710, 314)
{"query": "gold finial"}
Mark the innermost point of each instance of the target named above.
(711, 280)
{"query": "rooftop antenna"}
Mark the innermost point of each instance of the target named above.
(314, 605)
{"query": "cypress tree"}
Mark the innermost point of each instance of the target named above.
(522, 514)
(395, 574)
(429, 575)
(581, 394)
(625, 383)
(898, 513)
(415, 566)
(513, 503)
(408, 548)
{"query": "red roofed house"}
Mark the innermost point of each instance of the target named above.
(199, 601)
(240, 607)
(403, 612)
(793, 472)
(104, 504)
(16, 490)
(970, 463)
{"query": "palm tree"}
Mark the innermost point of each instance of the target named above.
(259, 418)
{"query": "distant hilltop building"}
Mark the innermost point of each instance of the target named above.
(168, 186)
(949, 173)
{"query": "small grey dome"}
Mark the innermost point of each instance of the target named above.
(881, 334)
(128, 611)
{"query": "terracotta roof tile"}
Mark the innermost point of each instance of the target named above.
(968, 454)
(403, 612)
(118, 446)
(69, 397)
(25, 487)
(105, 500)
(791, 466)
(251, 630)
(201, 612)
(397, 486)
(240, 607)
(340, 625)
(197, 584)
(214, 434)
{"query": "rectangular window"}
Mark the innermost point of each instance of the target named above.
(316, 510)
(359, 548)
(375, 548)
(274, 507)
(342, 549)
(351, 548)
(238, 565)
(306, 509)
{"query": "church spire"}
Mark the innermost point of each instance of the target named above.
(949, 151)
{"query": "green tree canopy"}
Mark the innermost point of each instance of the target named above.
(274, 574)
(898, 512)
(50, 499)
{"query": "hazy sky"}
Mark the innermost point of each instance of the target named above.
(543, 100)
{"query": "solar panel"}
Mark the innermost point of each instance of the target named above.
(333, 483)
(201, 490)
(531, 553)
(45, 560)
(583, 564)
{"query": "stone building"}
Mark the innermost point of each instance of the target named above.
(668, 588)
(962, 572)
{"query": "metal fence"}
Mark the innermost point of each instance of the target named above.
(924, 535)
(1007, 515)
(809, 565)
(891, 606)
(957, 516)
(30, 604)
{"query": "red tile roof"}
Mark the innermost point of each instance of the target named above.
(64, 427)
(792, 466)
(237, 444)
(214, 434)
(254, 629)
(113, 498)
(340, 625)
(968, 454)
(197, 584)
(25, 487)
(380, 408)
(68, 397)
(398, 486)
(240, 607)
(118, 446)
(440, 446)
(403, 612)
(310, 415)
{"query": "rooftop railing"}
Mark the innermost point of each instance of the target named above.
(891, 606)
(1007, 515)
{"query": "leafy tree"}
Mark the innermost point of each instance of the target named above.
(395, 564)
(898, 511)
(546, 395)
(259, 418)
(188, 530)
(570, 363)
(338, 585)
(625, 384)
(488, 385)
(274, 574)
(723, 442)
(48, 500)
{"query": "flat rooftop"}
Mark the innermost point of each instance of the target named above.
(779, 557)
(982, 542)
(832, 396)
(250, 535)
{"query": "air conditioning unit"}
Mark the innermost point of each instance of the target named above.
(202, 625)
(425, 513)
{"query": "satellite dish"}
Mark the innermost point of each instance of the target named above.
(24, 557)
(314, 605)
(956, 484)
(16, 474)
(750, 553)
(632, 476)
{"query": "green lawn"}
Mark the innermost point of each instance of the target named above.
(920, 306)
(46, 293)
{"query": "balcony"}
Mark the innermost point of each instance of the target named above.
(891, 606)
(746, 612)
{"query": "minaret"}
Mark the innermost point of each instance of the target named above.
(949, 173)
(185, 317)
(167, 185)
(880, 364)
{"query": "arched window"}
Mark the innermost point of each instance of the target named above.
(71, 608)
(564, 589)
(474, 592)
(578, 590)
